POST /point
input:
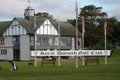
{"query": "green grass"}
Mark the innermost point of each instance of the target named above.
(67, 71)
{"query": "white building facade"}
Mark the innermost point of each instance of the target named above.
(18, 36)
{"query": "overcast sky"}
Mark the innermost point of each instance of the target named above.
(65, 9)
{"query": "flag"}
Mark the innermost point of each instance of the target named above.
(105, 26)
(83, 25)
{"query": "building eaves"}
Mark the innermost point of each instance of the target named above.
(3, 26)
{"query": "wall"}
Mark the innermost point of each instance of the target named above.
(24, 47)
(9, 47)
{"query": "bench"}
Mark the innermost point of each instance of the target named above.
(48, 61)
(91, 60)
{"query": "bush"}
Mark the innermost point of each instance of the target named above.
(99, 47)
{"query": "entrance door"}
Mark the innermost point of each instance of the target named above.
(16, 55)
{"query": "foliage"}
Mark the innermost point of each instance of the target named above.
(44, 14)
(94, 26)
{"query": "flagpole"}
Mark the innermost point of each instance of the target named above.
(105, 32)
(76, 9)
(76, 26)
(83, 31)
(59, 58)
(35, 41)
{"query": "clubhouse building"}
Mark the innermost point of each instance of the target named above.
(19, 36)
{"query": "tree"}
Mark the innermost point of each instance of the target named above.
(44, 14)
(113, 30)
(92, 15)
(94, 27)
(94, 18)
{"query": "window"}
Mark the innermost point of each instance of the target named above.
(3, 51)
(32, 40)
(50, 41)
(53, 41)
(44, 41)
(2, 41)
(16, 41)
(65, 41)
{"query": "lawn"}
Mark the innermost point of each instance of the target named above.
(66, 71)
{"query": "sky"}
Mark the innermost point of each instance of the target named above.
(65, 9)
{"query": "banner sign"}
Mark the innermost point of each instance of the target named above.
(71, 53)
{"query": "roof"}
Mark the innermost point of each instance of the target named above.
(66, 29)
(3, 26)
(25, 23)
(39, 22)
